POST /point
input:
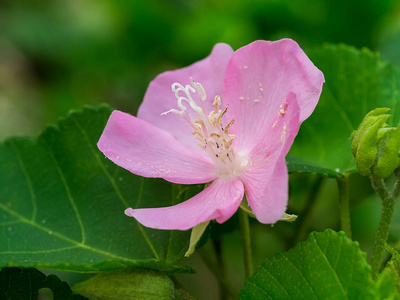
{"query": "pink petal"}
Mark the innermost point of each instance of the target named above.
(218, 201)
(159, 98)
(278, 137)
(267, 191)
(258, 77)
(148, 151)
(266, 180)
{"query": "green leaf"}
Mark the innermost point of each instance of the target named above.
(386, 287)
(326, 266)
(16, 283)
(357, 81)
(62, 204)
(297, 164)
(130, 284)
(393, 266)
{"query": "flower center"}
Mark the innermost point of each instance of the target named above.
(208, 128)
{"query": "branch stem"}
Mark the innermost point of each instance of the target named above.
(344, 199)
(245, 230)
(305, 216)
(221, 268)
(222, 280)
(388, 201)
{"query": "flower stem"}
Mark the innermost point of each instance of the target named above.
(245, 229)
(221, 268)
(305, 216)
(345, 222)
(206, 257)
(388, 201)
(396, 187)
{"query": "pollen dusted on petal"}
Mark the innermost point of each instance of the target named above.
(282, 111)
(283, 135)
(283, 108)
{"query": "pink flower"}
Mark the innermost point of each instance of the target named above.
(238, 141)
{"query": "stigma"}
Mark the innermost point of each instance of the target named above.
(208, 127)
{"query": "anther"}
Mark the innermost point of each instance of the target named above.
(221, 115)
(216, 103)
(217, 134)
(229, 125)
(208, 128)
(224, 111)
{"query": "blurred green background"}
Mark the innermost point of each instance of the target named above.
(61, 55)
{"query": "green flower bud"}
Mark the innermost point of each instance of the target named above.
(389, 154)
(368, 121)
(375, 145)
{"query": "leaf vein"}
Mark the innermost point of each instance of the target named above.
(114, 184)
(341, 112)
(330, 266)
(58, 235)
(260, 288)
(69, 195)
(28, 181)
(102, 166)
(273, 276)
(9, 223)
(301, 274)
(352, 271)
(39, 251)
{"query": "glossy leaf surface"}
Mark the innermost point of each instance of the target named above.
(326, 266)
(356, 82)
(62, 204)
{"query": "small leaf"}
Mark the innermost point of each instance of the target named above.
(62, 204)
(195, 236)
(386, 287)
(357, 81)
(297, 164)
(326, 266)
(17, 283)
(288, 218)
